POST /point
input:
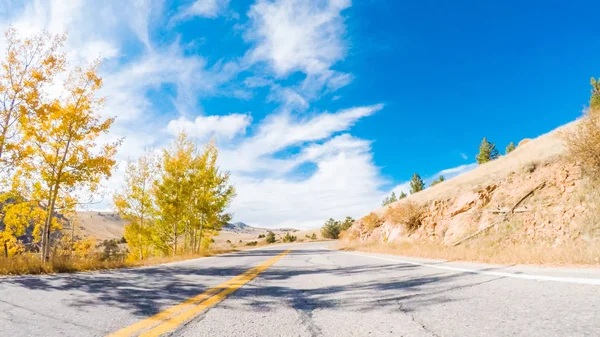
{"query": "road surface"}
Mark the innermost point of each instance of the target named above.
(309, 290)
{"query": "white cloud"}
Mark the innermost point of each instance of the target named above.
(270, 193)
(345, 183)
(464, 156)
(298, 35)
(204, 127)
(204, 8)
(281, 131)
(455, 171)
(305, 36)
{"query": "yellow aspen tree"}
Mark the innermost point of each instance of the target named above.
(171, 193)
(29, 65)
(63, 134)
(210, 197)
(135, 204)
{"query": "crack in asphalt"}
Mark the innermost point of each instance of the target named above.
(412, 318)
(305, 309)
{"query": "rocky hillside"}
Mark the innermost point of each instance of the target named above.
(531, 197)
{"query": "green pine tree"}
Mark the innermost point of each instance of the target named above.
(331, 229)
(510, 147)
(402, 195)
(388, 200)
(487, 152)
(348, 223)
(416, 184)
(438, 180)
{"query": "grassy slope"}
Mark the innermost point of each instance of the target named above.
(507, 242)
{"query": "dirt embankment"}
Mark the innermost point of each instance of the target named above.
(531, 206)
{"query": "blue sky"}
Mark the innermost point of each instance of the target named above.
(321, 108)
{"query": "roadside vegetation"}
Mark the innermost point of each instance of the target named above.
(583, 142)
(53, 158)
(333, 228)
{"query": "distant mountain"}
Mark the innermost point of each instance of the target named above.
(242, 228)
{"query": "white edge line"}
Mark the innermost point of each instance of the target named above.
(587, 281)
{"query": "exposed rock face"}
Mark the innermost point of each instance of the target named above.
(552, 213)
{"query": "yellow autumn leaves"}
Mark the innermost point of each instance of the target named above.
(48, 139)
(174, 202)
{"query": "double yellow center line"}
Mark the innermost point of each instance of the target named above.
(173, 317)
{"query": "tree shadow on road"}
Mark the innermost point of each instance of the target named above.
(146, 291)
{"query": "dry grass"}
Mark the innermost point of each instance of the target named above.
(583, 144)
(407, 214)
(523, 253)
(100, 225)
(31, 264)
(371, 221)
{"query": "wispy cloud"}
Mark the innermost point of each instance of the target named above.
(305, 36)
(203, 127)
(202, 8)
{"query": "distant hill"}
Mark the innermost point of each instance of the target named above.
(100, 225)
(240, 227)
(108, 225)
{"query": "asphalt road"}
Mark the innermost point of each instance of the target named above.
(310, 291)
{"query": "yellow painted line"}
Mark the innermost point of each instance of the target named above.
(176, 315)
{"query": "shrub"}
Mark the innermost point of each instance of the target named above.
(438, 180)
(371, 221)
(510, 148)
(111, 248)
(313, 236)
(331, 229)
(261, 236)
(348, 222)
(408, 214)
(583, 142)
(289, 238)
(251, 243)
(270, 237)
(228, 241)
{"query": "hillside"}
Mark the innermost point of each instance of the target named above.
(530, 206)
(100, 225)
(108, 225)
